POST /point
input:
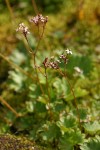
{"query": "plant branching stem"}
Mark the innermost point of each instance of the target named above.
(9, 107)
(30, 49)
(33, 55)
(47, 84)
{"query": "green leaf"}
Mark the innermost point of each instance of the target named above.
(78, 93)
(70, 139)
(66, 124)
(92, 144)
(40, 107)
(92, 128)
(18, 57)
(34, 91)
(29, 106)
(42, 99)
(64, 145)
(61, 86)
(50, 132)
(83, 113)
(4, 128)
(16, 80)
(59, 106)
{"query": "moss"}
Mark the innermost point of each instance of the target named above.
(10, 142)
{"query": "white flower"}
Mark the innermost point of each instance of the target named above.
(23, 29)
(69, 52)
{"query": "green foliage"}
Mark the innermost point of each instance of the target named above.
(50, 132)
(55, 122)
(70, 139)
(18, 79)
(61, 86)
(91, 144)
(92, 128)
(78, 92)
(66, 124)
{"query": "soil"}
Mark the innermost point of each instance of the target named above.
(10, 142)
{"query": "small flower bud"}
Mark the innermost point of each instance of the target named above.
(46, 63)
(39, 19)
(23, 29)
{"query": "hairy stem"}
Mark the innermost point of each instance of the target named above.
(34, 58)
(47, 84)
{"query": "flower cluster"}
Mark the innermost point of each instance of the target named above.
(54, 64)
(50, 64)
(64, 56)
(39, 19)
(23, 29)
